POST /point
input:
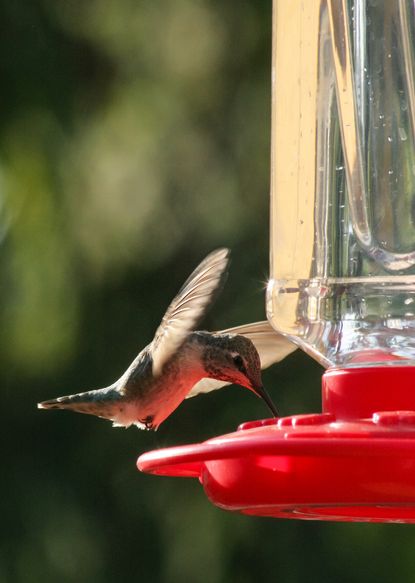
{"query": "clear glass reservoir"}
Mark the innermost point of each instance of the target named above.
(342, 280)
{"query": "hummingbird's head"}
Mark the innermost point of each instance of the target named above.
(234, 359)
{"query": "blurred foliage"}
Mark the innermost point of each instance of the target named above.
(134, 138)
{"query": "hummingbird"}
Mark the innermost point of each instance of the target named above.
(181, 362)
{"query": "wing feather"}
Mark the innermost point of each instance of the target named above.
(188, 307)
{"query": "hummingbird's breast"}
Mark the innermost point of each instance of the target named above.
(179, 375)
(150, 399)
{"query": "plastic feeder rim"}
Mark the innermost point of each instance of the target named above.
(353, 462)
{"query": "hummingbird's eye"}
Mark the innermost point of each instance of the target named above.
(239, 363)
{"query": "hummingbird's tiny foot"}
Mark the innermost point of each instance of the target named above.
(148, 422)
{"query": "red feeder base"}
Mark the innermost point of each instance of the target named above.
(353, 462)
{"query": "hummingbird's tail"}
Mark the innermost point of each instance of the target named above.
(101, 402)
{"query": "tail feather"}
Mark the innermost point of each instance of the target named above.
(101, 402)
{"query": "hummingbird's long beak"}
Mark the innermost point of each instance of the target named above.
(261, 392)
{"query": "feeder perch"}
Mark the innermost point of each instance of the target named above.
(342, 274)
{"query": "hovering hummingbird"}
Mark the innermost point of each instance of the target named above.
(180, 362)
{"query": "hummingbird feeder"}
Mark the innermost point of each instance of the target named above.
(342, 283)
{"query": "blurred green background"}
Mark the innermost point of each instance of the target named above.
(135, 139)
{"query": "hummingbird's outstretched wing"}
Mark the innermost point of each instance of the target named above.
(189, 306)
(271, 346)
